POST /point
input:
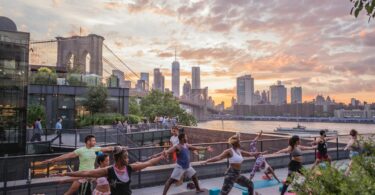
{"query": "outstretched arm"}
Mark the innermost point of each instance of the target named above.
(331, 138)
(191, 147)
(59, 158)
(170, 150)
(107, 149)
(223, 155)
(285, 150)
(142, 165)
(250, 154)
(315, 141)
(258, 136)
(307, 147)
(92, 173)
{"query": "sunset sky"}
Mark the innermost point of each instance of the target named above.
(314, 44)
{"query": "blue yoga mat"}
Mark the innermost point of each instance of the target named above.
(260, 184)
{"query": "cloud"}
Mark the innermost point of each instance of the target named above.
(225, 91)
(115, 5)
(298, 81)
(119, 43)
(165, 54)
(78, 31)
(57, 3)
(271, 40)
(368, 38)
(160, 8)
(357, 68)
(353, 85)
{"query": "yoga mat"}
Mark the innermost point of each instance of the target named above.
(193, 192)
(260, 184)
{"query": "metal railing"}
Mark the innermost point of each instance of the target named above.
(74, 138)
(22, 167)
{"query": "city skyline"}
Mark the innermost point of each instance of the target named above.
(314, 49)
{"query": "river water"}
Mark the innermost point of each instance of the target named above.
(270, 126)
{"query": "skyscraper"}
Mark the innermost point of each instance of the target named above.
(296, 95)
(196, 77)
(257, 98)
(233, 102)
(265, 98)
(186, 89)
(278, 94)
(176, 77)
(245, 90)
(145, 77)
(121, 78)
(140, 86)
(158, 80)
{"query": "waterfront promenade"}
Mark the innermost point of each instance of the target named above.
(22, 179)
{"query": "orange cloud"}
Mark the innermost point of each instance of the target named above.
(225, 91)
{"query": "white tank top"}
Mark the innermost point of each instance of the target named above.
(236, 157)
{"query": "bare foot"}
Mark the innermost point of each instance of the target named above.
(179, 182)
(199, 190)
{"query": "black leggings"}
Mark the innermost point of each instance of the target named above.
(293, 166)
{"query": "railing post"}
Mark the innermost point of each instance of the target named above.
(48, 170)
(5, 170)
(117, 137)
(29, 182)
(227, 158)
(337, 148)
(105, 136)
(315, 149)
(45, 134)
(143, 138)
(139, 172)
(161, 137)
(261, 145)
(75, 139)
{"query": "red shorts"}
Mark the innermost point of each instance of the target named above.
(174, 156)
(321, 157)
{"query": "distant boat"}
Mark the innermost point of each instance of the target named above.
(302, 129)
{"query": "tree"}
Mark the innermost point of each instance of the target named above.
(74, 76)
(96, 100)
(45, 76)
(134, 107)
(34, 112)
(332, 180)
(358, 6)
(187, 119)
(157, 103)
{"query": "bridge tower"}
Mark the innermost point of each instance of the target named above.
(77, 49)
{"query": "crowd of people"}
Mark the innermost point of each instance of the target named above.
(96, 176)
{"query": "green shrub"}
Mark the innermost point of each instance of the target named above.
(133, 119)
(106, 119)
(332, 180)
(45, 76)
(35, 111)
